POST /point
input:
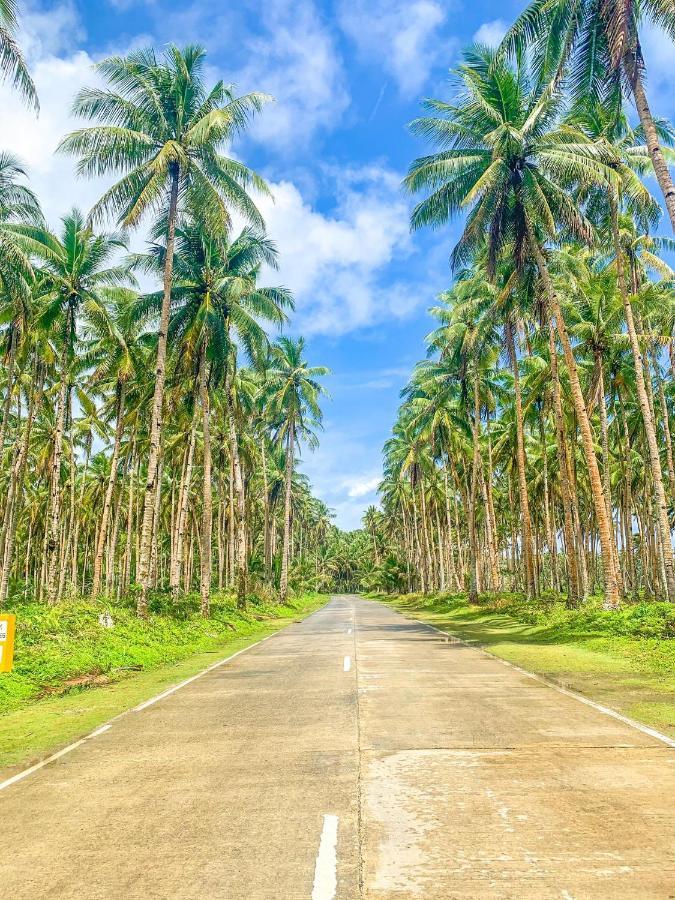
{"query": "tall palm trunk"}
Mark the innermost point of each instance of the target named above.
(110, 489)
(15, 493)
(54, 524)
(176, 563)
(207, 504)
(647, 418)
(267, 559)
(473, 540)
(633, 68)
(288, 478)
(11, 359)
(145, 549)
(666, 428)
(239, 532)
(452, 570)
(604, 440)
(528, 556)
(612, 596)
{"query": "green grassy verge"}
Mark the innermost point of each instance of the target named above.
(624, 660)
(72, 675)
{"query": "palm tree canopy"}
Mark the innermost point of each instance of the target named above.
(12, 64)
(156, 120)
(293, 390)
(506, 159)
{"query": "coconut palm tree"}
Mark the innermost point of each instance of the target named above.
(18, 205)
(506, 160)
(114, 352)
(161, 127)
(595, 45)
(293, 393)
(75, 266)
(217, 306)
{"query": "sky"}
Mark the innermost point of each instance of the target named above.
(347, 76)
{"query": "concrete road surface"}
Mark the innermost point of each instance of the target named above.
(356, 754)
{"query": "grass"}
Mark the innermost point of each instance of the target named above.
(624, 660)
(72, 675)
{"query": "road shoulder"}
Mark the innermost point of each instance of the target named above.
(32, 733)
(605, 671)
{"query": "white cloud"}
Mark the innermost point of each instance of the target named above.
(33, 140)
(296, 61)
(360, 486)
(333, 262)
(491, 33)
(284, 49)
(400, 37)
(345, 492)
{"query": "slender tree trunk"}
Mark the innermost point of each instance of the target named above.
(563, 466)
(11, 359)
(604, 439)
(145, 549)
(633, 69)
(647, 418)
(54, 525)
(207, 511)
(473, 542)
(452, 570)
(666, 429)
(176, 564)
(528, 557)
(155, 532)
(288, 483)
(110, 490)
(14, 497)
(240, 557)
(612, 596)
(126, 571)
(267, 561)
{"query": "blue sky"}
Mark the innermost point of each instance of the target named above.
(347, 77)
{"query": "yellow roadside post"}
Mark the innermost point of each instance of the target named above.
(7, 628)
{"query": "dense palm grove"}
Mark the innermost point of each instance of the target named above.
(149, 437)
(533, 448)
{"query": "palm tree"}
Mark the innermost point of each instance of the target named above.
(607, 127)
(217, 306)
(75, 267)
(18, 205)
(12, 64)
(162, 128)
(596, 44)
(511, 166)
(114, 353)
(293, 393)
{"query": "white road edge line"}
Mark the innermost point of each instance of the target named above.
(103, 728)
(347, 663)
(606, 710)
(325, 868)
(26, 772)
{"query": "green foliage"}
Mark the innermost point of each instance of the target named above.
(638, 620)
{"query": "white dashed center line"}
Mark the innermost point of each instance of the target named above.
(325, 869)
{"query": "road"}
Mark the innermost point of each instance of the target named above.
(355, 754)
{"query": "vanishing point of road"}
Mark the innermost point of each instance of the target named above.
(355, 754)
